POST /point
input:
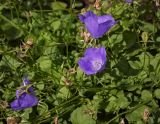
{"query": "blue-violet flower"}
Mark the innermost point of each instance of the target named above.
(94, 60)
(97, 26)
(24, 99)
(128, 1)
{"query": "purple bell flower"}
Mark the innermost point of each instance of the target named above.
(97, 25)
(128, 1)
(24, 99)
(94, 60)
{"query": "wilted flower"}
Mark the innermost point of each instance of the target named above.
(13, 120)
(94, 60)
(25, 98)
(97, 4)
(146, 114)
(86, 36)
(129, 1)
(97, 25)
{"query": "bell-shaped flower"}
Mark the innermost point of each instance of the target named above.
(94, 60)
(128, 1)
(97, 26)
(25, 97)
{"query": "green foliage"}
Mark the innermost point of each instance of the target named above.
(82, 115)
(42, 38)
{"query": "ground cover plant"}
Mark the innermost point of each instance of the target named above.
(79, 62)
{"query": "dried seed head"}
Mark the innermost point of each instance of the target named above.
(122, 121)
(157, 3)
(72, 71)
(97, 4)
(13, 120)
(89, 111)
(86, 36)
(67, 82)
(28, 44)
(3, 104)
(146, 114)
(55, 119)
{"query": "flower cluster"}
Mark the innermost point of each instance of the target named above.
(94, 59)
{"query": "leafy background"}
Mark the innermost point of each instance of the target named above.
(42, 39)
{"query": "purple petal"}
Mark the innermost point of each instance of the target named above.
(90, 51)
(87, 14)
(128, 1)
(86, 66)
(105, 18)
(103, 28)
(24, 101)
(102, 53)
(25, 81)
(20, 91)
(96, 52)
(91, 24)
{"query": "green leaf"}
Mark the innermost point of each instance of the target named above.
(42, 108)
(11, 32)
(130, 38)
(79, 74)
(122, 102)
(145, 59)
(26, 113)
(155, 62)
(55, 25)
(136, 115)
(146, 95)
(40, 85)
(135, 64)
(82, 115)
(64, 93)
(45, 63)
(158, 39)
(148, 27)
(157, 93)
(58, 5)
(10, 62)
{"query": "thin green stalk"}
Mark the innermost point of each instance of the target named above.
(10, 22)
(128, 111)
